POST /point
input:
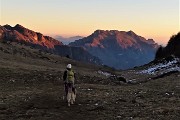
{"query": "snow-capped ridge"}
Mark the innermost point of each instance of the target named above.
(163, 67)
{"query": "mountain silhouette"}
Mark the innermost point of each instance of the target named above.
(172, 48)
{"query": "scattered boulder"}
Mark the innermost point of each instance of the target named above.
(118, 79)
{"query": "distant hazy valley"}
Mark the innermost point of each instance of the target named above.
(67, 40)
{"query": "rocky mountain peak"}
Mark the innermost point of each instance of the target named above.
(25, 35)
(151, 41)
(99, 31)
(18, 26)
(106, 32)
(108, 38)
(118, 48)
(131, 32)
(7, 27)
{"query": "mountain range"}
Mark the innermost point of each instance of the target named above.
(119, 49)
(25, 36)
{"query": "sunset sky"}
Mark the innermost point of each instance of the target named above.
(157, 19)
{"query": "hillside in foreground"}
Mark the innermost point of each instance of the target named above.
(32, 88)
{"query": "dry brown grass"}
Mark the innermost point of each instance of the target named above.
(32, 88)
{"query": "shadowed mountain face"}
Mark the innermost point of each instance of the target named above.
(28, 37)
(119, 49)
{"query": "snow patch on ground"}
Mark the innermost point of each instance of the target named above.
(104, 73)
(164, 67)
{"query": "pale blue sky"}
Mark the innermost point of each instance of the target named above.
(157, 19)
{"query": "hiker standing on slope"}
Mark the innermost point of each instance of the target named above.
(68, 78)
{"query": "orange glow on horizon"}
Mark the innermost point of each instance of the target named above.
(156, 19)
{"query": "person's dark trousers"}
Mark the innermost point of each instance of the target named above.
(66, 88)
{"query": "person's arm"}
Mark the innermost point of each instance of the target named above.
(64, 76)
(75, 77)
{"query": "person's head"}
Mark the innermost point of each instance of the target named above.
(69, 66)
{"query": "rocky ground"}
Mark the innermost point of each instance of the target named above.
(31, 88)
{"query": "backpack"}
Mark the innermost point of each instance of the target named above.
(70, 76)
